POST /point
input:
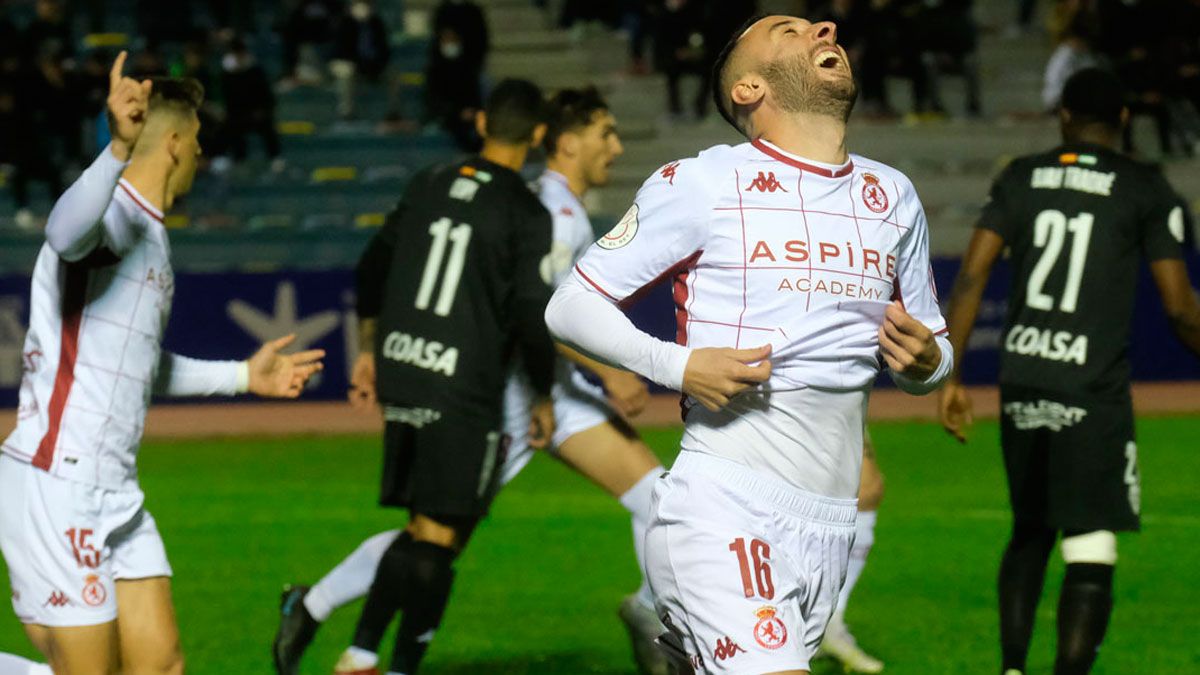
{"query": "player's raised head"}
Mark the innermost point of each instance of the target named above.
(582, 132)
(782, 64)
(1093, 104)
(514, 114)
(173, 128)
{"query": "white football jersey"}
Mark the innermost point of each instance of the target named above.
(571, 237)
(93, 349)
(764, 247)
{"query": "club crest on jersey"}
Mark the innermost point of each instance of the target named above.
(94, 593)
(765, 182)
(623, 233)
(873, 195)
(769, 632)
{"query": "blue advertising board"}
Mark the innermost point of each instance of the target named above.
(228, 315)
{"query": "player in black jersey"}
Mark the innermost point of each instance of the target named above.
(456, 278)
(1078, 221)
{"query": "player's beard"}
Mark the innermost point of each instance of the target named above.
(798, 88)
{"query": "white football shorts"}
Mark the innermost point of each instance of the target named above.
(66, 543)
(579, 405)
(745, 568)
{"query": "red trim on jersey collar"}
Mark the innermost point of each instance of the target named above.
(776, 154)
(154, 213)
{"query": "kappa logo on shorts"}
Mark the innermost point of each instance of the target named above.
(873, 195)
(57, 599)
(769, 632)
(727, 649)
(668, 172)
(623, 233)
(766, 182)
(94, 593)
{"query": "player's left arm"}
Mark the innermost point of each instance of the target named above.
(268, 373)
(912, 338)
(1164, 230)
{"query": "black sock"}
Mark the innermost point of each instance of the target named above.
(1083, 611)
(1022, 573)
(430, 576)
(386, 595)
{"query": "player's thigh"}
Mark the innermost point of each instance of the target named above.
(610, 454)
(79, 650)
(146, 624)
(1095, 483)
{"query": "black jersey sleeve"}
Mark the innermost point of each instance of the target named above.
(371, 273)
(534, 231)
(1165, 221)
(996, 215)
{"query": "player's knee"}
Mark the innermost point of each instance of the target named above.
(1098, 548)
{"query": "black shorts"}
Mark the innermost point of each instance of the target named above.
(1071, 461)
(448, 466)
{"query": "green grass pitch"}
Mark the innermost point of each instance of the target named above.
(538, 588)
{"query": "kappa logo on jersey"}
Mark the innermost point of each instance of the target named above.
(57, 599)
(769, 632)
(623, 233)
(727, 649)
(1043, 414)
(873, 195)
(668, 172)
(765, 182)
(94, 593)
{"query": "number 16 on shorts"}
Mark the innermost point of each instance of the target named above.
(754, 563)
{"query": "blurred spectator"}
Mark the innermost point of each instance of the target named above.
(23, 147)
(309, 24)
(453, 76)
(1073, 53)
(721, 19)
(949, 42)
(249, 104)
(576, 13)
(360, 51)
(635, 21)
(679, 50)
(49, 33)
(162, 23)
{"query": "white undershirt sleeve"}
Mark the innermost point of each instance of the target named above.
(935, 380)
(185, 376)
(76, 224)
(582, 318)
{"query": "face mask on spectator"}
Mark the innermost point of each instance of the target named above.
(451, 50)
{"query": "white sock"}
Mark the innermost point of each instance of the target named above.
(358, 659)
(350, 580)
(637, 501)
(864, 538)
(11, 664)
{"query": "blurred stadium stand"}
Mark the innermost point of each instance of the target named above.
(341, 176)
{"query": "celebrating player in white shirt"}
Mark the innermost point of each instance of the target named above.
(799, 271)
(89, 574)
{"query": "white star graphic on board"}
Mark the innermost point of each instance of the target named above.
(282, 321)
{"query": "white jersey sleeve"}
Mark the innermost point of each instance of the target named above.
(916, 289)
(184, 376)
(664, 230)
(81, 221)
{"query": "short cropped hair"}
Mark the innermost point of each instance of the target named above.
(177, 94)
(570, 110)
(514, 109)
(1094, 96)
(720, 73)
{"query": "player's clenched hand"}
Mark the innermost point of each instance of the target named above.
(362, 382)
(128, 101)
(541, 423)
(954, 408)
(278, 375)
(907, 345)
(628, 393)
(715, 375)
